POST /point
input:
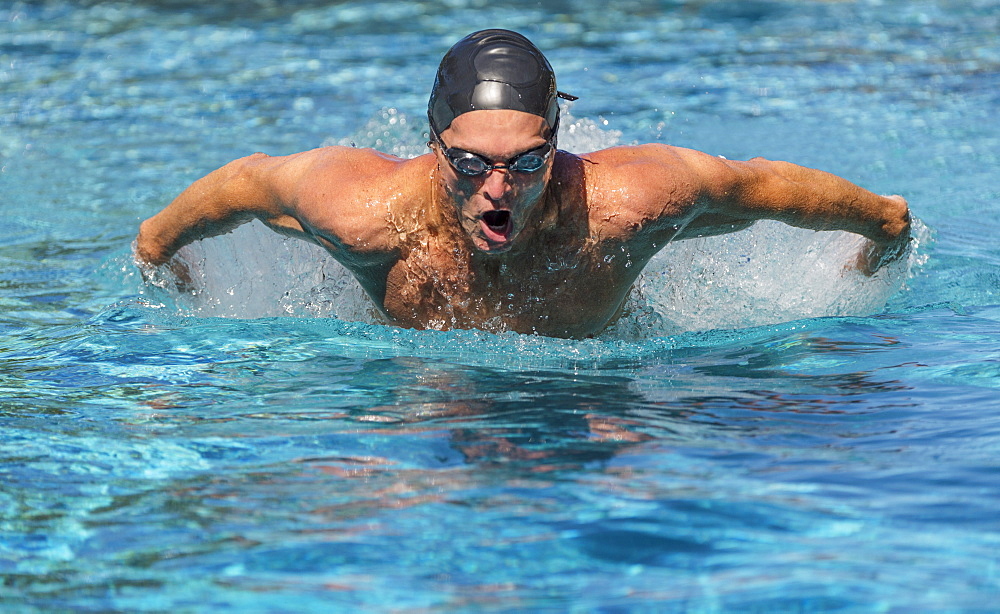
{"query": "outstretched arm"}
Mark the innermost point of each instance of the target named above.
(245, 189)
(727, 195)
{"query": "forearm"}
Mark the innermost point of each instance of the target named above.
(818, 200)
(213, 205)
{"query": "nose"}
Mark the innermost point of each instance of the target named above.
(495, 185)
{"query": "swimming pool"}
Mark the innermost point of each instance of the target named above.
(160, 453)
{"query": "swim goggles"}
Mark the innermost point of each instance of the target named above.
(474, 165)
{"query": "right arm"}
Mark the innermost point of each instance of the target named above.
(255, 187)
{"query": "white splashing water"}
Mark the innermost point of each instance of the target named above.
(766, 274)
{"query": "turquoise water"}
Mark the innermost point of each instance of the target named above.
(763, 433)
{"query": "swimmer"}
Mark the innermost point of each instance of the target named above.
(495, 228)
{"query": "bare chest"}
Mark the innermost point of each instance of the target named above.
(566, 292)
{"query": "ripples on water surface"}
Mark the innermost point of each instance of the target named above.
(157, 458)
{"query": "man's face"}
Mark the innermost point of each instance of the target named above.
(495, 207)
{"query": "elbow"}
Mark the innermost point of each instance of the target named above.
(244, 167)
(240, 193)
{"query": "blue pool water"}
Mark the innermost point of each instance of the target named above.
(763, 433)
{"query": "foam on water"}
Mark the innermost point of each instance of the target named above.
(766, 274)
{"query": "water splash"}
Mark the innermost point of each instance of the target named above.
(766, 274)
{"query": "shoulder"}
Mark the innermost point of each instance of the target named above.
(345, 196)
(339, 164)
(645, 187)
(655, 164)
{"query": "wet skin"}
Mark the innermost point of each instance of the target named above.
(553, 252)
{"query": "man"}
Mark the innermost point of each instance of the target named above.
(495, 228)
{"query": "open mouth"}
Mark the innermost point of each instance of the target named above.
(497, 224)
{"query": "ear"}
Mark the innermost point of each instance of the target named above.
(432, 137)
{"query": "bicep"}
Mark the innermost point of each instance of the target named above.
(270, 190)
(326, 196)
(726, 195)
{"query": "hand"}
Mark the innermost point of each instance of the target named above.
(873, 256)
(175, 273)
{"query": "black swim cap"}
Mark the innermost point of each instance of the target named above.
(493, 69)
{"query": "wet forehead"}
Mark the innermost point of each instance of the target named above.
(499, 134)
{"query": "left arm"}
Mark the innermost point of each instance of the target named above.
(718, 195)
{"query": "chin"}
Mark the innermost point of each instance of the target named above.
(493, 248)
